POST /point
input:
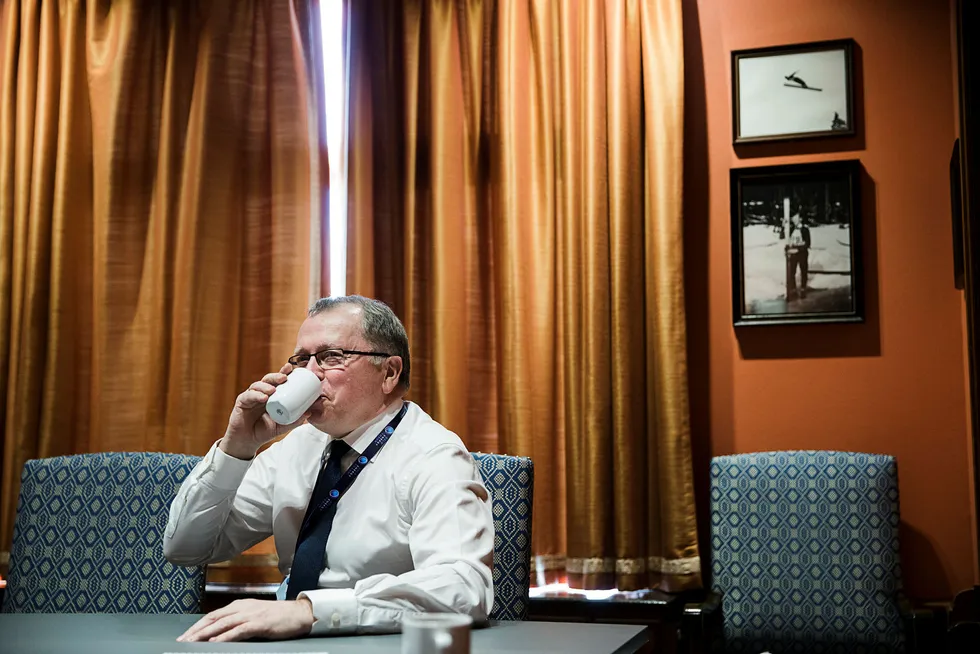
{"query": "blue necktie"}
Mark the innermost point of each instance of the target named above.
(312, 544)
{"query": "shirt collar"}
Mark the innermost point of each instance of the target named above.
(360, 438)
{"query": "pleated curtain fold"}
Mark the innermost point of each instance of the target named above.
(514, 180)
(159, 212)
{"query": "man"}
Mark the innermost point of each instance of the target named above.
(412, 532)
(797, 256)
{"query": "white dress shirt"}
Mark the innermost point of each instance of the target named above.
(413, 533)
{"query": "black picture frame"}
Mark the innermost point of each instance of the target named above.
(796, 244)
(791, 92)
(956, 209)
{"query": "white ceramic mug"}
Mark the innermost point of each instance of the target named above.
(291, 399)
(436, 633)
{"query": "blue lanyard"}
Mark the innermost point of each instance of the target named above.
(348, 477)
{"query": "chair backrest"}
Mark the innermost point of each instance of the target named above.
(88, 537)
(805, 551)
(510, 480)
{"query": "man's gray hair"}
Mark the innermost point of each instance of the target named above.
(381, 328)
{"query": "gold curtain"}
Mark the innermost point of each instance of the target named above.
(157, 201)
(515, 193)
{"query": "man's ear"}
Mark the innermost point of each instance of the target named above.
(393, 373)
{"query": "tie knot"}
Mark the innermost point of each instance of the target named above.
(338, 449)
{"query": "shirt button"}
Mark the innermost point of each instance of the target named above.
(335, 619)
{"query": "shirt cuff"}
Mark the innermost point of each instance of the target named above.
(334, 611)
(223, 471)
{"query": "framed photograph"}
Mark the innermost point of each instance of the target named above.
(796, 244)
(793, 92)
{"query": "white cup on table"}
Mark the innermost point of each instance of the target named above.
(436, 633)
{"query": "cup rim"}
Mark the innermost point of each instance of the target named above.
(437, 620)
(306, 372)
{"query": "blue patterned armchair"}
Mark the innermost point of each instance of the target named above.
(510, 480)
(805, 552)
(88, 532)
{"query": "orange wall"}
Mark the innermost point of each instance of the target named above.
(895, 384)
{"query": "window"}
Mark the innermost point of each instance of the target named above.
(335, 95)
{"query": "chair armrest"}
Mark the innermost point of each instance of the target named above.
(924, 629)
(701, 625)
(707, 606)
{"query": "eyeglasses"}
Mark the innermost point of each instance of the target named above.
(333, 357)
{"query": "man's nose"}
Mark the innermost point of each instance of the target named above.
(315, 368)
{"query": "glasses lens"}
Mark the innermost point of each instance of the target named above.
(299, 360)
(331, 358)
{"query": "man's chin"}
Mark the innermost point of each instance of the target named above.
(318, 417)
(326, 421)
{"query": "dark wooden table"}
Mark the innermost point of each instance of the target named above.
(659, 611)
(94, 633)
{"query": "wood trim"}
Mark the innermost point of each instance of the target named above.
(968, 60)
(249, 561)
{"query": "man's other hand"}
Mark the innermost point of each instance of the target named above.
(250, 618)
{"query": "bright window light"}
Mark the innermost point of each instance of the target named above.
(559, 589)
(335, 92)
